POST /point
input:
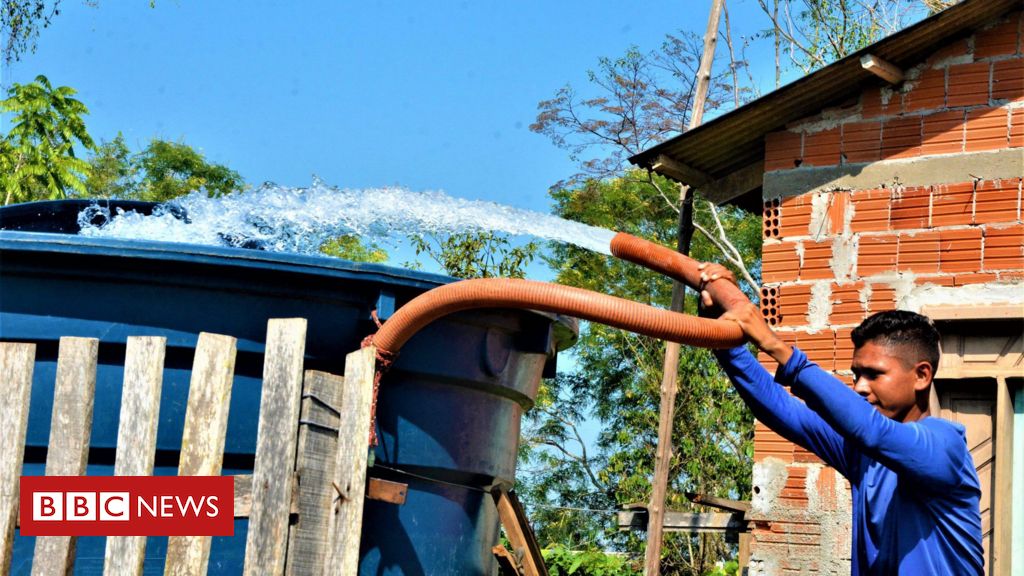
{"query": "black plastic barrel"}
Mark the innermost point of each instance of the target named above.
(448, 413)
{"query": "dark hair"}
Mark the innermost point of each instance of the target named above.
(901, 327)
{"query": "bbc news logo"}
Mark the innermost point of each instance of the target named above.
(127, 506)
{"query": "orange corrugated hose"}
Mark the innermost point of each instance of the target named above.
(617, 312)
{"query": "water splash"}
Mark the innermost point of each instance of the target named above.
(284, 219)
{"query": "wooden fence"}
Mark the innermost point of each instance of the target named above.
(304, 499)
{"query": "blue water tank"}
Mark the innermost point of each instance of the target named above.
(448, 413)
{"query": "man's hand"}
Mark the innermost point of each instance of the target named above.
(748, 316)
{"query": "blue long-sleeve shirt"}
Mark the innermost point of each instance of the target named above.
(915, 491)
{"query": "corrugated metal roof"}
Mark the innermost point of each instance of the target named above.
(736, 139)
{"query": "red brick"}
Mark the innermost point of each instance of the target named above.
(960, 250)
(793, 300)
(782, 150)
(946, 281)
(816, 260)
(827, 489)
(981, 278)
(846, 305)
(862, 141)
(779, 262)
(988, 129)
(882, 298)
(769, 444)
(952, 204)
(822, 148)
(997, 201)
(876, 254)
(1008, 79)
(870, 210)
(901, 137)
(844, 349)
(968, 84)
(795, 216)
(871, 104)
(819, 347)
(1000, 40)
(928, 92)
(802, 456)
(838, 204)
(1004, 248)
(919, 253)
(1017, 128)
(943, 133)
(909, 209)
(1011, 276)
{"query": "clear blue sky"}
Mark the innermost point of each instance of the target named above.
(427, 95)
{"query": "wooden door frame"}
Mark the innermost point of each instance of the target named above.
(948, 319)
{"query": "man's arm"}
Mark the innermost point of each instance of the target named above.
(784, 414)
(927, 451)
(932, 454)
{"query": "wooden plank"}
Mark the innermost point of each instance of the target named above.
(685, 521)
(202, 443)
(267, 538)
(68, 448)
(16, 363)
(386, 491)
(1002, 497)
(676, 170)
(136, 439)
(720, 503)
(243, 495)
(317, 452)
(519, 533)
(882, 68)
(350, 465)
(507, 565)
(972, 312)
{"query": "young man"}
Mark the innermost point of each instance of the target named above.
(915, 491)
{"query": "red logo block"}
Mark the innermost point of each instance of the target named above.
(127, 506)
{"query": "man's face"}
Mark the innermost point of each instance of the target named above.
(890, 379)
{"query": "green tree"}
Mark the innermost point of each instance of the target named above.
(616, 386)
(173, 169)
(162, 171)
(112, 173)
(350, 247)
(476, 254)
(37, 157)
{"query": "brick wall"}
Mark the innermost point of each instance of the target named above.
(835, 255)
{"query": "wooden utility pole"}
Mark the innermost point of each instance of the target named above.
(670, 371)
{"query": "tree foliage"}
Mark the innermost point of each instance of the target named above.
(815, 33)
(37, 156)
(631, 103)
(160, 172)
(476, 254)
(20, 22)
(352, 248)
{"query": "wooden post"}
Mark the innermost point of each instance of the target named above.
(202, 443)
(670, 369)
(16, 363)
(350, 465)
(136, 439)
(1002, 496)
(520, 535)
(317, 453)
(70, 430)
(273, 476)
